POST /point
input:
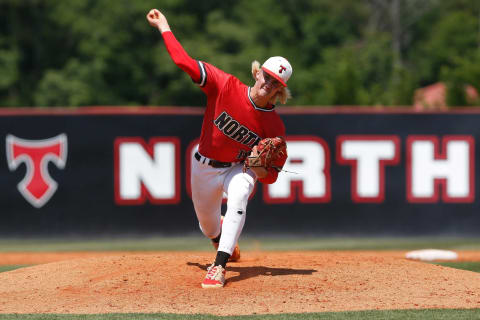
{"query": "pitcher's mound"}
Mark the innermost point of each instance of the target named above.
(279, 282)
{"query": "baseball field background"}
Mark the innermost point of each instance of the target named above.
(98, 128)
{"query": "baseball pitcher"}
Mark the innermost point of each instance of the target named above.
(242, 141)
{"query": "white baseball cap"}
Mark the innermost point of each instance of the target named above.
(279, 68)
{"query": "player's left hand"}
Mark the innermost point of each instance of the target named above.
(267, 153)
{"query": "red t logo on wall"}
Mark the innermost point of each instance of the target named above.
(37, 187)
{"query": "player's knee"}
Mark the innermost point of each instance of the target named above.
(210, 231)
(238, 195)
(238, 201)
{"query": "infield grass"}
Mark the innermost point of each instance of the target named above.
(199, 243)
(428, 314)
(469, 266)
(12, 267)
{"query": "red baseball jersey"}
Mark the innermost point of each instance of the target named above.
(232, 123)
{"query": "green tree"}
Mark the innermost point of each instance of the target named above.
(456, 35)
(463, 72)
(9, 71)
(102, 52)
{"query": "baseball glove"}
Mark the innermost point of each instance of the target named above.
(269, 150)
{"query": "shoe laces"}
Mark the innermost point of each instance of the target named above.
(215, 272)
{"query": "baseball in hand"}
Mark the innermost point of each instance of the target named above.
(157, 20)
(152, 16)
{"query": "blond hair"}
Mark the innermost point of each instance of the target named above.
(282, 95)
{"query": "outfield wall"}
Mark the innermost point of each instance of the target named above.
(96, 171)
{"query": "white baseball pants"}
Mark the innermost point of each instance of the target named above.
(208, 186)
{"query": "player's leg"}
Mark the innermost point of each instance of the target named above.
(235, 256)
(207, 195)
(238, 186)
(207, 192)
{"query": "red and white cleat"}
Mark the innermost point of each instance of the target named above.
(215, 277)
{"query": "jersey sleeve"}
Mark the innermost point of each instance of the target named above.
(208, 77)
(213, 79)
(181, 58)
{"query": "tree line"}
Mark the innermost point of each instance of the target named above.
(343, 52)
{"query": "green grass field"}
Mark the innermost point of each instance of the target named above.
(436, 314)
(265, 244)
(197, 243)
(470, 266)
(11, 267)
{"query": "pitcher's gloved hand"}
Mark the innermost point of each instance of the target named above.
(266, 153)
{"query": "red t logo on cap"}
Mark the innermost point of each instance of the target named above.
(282, 68)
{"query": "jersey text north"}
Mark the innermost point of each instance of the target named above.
(234, 130)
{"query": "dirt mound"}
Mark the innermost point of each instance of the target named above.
(274, 282)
